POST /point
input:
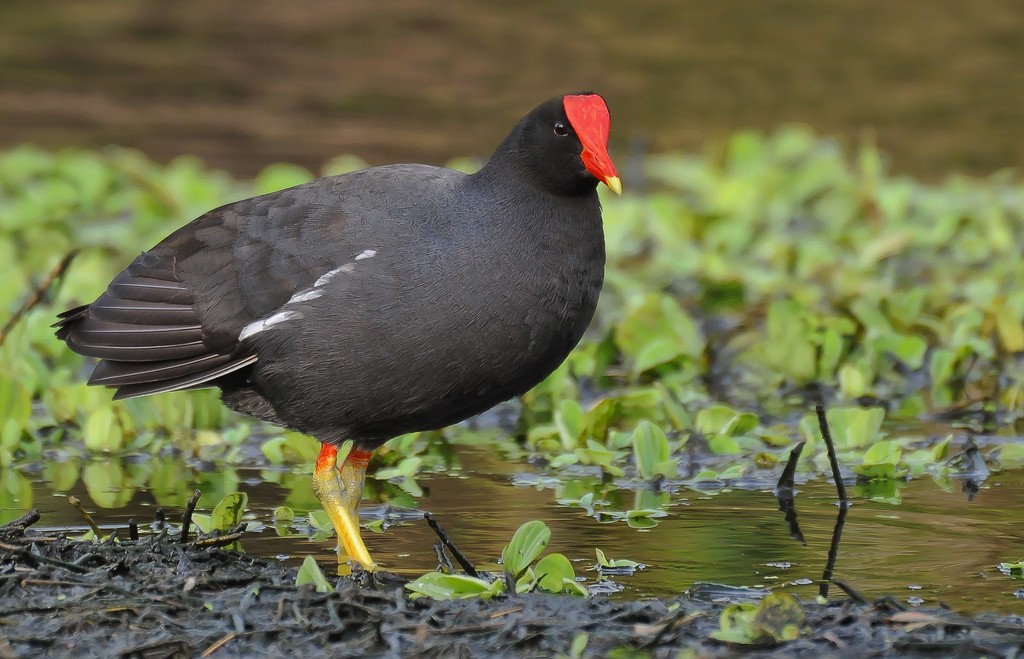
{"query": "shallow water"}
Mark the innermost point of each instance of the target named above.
(935, 545)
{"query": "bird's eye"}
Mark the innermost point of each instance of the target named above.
(561, 129)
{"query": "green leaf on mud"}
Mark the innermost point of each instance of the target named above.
(552, 570)
(439, 586)
(776, 618)
(202, 522)
(228, 513)
(310, 572)
(780, 617)
(526, 545)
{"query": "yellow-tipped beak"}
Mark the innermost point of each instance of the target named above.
(614, 184)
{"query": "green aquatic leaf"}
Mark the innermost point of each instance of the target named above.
(1010, 456)
(102, 432)
(228, 513)
(677, 414)
(599, 418)
(439, 586)
(1012, 569)
(907, 348)
(15, 411)
(527, 581)
(1010, 328)
(651, 451)
(723, 420)
(552, 570)
(203, 522)
(830, 351)
(723, 445)
(851, 427)
(310, 573)
(780, 617)
(881, 460)
(657, 330)
(596, 454)
(569, 421)
(777, 618)
(320, 521)
(736, 624)
(854, 382)
(605, 562)
(884, 452)
(578, 645)
(526, 545)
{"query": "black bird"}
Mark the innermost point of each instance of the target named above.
(367, 305)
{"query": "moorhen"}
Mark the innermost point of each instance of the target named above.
(380, 302)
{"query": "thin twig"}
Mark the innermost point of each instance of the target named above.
(73, 500)
(224, 640)
(186, 519)
(826, 434)
(37, 558)
(850, 592)
(218, 541)
(458, 555)
(38, 293)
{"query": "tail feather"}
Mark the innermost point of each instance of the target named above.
(147, 334)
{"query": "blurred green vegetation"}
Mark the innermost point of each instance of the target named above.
(743, 285)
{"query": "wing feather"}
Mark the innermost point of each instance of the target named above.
(173, 318)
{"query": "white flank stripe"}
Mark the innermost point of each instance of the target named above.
(366, 254)
(305, 296)
(327, 276)
(258, 326)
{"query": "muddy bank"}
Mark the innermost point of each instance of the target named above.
(160, 597)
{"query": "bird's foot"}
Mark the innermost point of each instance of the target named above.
(339, 490)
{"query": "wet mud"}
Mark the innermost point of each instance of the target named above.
(162, 595)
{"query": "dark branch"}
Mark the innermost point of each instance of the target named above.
(450, 546)
(186, 520)
(826, 434)
(38, 293)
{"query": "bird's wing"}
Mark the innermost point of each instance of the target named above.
(173, 318)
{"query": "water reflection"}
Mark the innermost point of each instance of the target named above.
(933, 538)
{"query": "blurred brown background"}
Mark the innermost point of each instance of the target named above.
(245, 83)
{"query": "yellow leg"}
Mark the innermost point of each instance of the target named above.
(340, 490)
